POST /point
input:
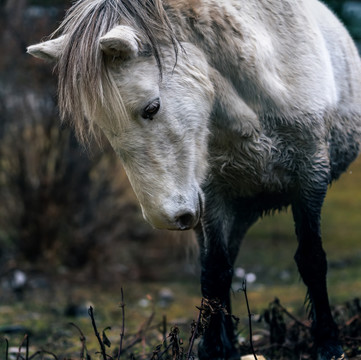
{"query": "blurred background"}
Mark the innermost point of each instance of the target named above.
(71, 231)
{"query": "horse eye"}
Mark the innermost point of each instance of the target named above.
(151, 109)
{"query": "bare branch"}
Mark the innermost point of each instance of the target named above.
(83, 342)
(122, 305)
(244, 289)
(102, 347)
(194, 332)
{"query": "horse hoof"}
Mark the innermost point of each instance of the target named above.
(330, 351)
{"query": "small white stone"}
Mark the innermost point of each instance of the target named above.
(239, 272)
(251, 278)
(19, 279)
(143, 303)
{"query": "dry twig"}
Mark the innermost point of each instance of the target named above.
(102, 347)
(194, 332)
(244, 289)
(83, 342)
(20, 347)
(122, 305)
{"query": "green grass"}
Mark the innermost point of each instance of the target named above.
(41, 315)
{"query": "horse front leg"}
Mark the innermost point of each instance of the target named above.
(312, 264)
(218, 341)
(219, 238)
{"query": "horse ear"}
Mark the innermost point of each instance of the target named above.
(48, 50)
(121, 41)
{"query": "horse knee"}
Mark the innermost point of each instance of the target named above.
(216, 282)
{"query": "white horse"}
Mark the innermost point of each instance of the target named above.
(220, 111)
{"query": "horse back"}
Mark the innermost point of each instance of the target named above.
(344, 57)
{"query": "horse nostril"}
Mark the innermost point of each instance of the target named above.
(185, 221)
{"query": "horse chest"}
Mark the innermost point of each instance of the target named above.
(247, 167)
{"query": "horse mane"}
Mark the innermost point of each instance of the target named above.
(84, 84)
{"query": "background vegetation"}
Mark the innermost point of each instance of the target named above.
(71, 231)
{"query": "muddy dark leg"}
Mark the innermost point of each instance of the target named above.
(312, 264)
(218, 342)
(219, 240)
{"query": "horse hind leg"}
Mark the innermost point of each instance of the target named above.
(312, 265)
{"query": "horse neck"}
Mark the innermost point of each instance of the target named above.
(243, 41)
(208, 26)
(219, 31)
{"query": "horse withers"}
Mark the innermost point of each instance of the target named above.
(220, 111)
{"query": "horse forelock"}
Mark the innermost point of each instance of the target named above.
(84, 84)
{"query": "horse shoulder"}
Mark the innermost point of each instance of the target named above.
(239, 151)
(230, 110)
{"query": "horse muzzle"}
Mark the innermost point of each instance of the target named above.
(186, 220)
(175, 216)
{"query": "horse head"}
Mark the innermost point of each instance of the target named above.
(156, 119)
